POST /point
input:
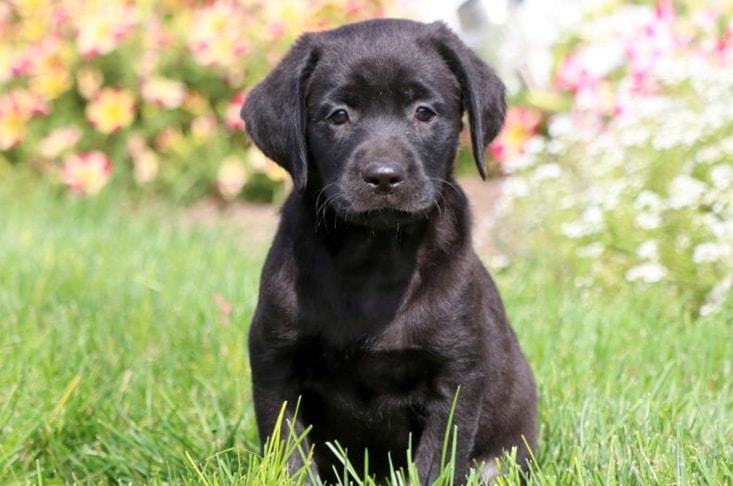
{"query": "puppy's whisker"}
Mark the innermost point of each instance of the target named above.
(449, 184)
(323, 201)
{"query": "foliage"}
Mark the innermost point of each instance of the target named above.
(153, 87)
(124, 359)
(634, 183)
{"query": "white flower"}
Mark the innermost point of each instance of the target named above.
(722, 176)
(646, 272)
(649, 250)
(685, 191)
(546, 171)
(726, 145)
(535, 145)
(722, 229)
(647, 221)
(715, 298)
(560, 125)
(590, 251)
(499, 262)
(634, 137)
(681, 129)
(610, 195)
(519, 163)
(573, 230)
(709, 154)
(516, 187)
(710, 252)
(648, 200)
(594, 218)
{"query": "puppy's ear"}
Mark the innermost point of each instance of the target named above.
(275, 113)
(482, 91)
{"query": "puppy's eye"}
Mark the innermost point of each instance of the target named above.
(339, 117)
(424, 114)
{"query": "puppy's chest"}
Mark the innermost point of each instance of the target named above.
(359, 374)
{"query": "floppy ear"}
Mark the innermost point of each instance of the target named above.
(275, 113)
(482, 91)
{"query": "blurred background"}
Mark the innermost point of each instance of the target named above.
(617, 147)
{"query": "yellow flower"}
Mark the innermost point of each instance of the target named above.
(89, 81)
(52, 82)
(7, 61)
(12, 127)
(231, 178)
(259, 163)
(16, 109)
(49, 70)
(111, 110)
(145, 164)
(196, 103)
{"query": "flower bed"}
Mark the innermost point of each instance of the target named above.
(152, 89)
(634, 183)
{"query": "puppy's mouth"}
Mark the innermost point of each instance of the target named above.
(356, 202)
(386, 218)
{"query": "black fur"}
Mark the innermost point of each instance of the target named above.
(374, 309)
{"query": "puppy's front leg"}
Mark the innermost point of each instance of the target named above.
(430, 449)
(269, 399)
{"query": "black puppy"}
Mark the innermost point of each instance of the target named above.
(374, 309)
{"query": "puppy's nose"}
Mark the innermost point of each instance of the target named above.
(383, 176)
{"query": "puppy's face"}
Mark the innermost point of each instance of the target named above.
(366, 117)
(382, 131)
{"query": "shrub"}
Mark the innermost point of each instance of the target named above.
(634, 183)
(153, 86)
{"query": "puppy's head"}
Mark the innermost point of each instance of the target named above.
(366, 118)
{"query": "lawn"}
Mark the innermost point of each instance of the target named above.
(123, 357)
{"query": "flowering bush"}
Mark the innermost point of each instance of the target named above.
(146, 92)
(635, 182)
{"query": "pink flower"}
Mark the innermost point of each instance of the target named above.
(145, 166)
(223, 305)
(145, 161)
(723, 49)
(100, 30)
(231, 177)
(86, 174)
(575, 73)
(215, 37)
(521, 124)
(233, 120)
(644, 51)
(89, 81)
(164, 92)
(665, 11)
(59, 141)
(203, 127)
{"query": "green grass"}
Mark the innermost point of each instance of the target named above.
(117, 364)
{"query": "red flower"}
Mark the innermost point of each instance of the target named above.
(234, 121)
